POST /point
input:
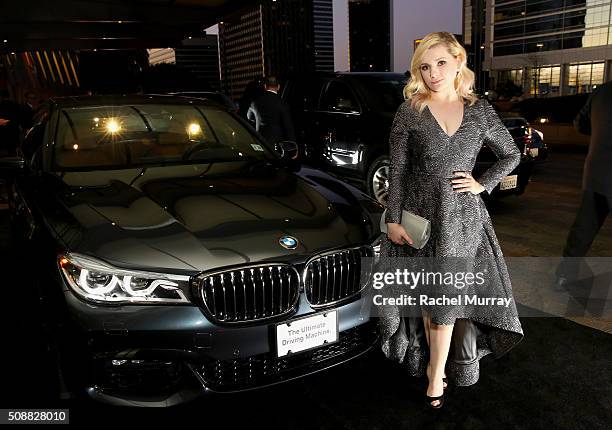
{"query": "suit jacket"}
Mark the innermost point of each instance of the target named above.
(272, 118)
(595, 119)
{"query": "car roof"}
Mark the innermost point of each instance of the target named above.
(127, 99)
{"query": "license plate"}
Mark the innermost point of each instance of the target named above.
(534, 151)
(306, 333)
(508, 182)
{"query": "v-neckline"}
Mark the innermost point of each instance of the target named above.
(440, 126)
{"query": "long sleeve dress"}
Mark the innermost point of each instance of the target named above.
(422, 159)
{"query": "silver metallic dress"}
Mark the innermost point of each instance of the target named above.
(422, 159)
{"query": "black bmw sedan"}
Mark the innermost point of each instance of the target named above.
(178, 254)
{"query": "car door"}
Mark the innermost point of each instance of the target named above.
(339, 128)
(302, 95)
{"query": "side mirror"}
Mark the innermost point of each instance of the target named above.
(288, 150)
(11, 166)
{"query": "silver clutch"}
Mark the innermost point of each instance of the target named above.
(417, 227)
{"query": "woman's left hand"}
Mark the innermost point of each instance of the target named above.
(464, 182)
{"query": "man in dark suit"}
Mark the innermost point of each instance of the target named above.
(27, 110)
(594, 119)
(271, 116)
(253, 90)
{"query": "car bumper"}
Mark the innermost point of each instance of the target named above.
(166, 355)
(538, 154)
(523, 172)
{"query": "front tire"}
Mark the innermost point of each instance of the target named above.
(378, 179)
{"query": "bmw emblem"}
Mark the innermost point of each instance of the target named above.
(288, 242)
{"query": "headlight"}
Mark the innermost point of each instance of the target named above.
(99, 282)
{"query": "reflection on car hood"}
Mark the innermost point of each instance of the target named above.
(197, 217)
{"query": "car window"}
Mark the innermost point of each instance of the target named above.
(339, 98)
(149, 134)
(303, 95)
(382, 94)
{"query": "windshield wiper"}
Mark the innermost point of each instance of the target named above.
(142, 172)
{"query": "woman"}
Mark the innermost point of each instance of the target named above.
(436, 135)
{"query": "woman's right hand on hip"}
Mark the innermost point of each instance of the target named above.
(397, 234)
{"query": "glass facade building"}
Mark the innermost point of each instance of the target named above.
(583, 77)
(549, 47)
(535, 26)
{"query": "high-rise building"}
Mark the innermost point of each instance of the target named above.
(200, 57)
(323, 33)
(196, 57)
(474, 40)
(161, 56)
(369, 35)
(241, 50)
(549, 48)
(275, 38)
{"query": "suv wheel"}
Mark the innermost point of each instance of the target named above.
(378, 179)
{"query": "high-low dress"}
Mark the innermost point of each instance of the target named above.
(422, 159)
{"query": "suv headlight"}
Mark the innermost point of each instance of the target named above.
(99, 282)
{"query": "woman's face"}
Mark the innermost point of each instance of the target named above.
(439, 69)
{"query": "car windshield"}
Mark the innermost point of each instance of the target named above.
(217, 97)
(151, 134)
(383, 94)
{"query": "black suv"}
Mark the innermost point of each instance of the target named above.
(174, 248)
(343, 122)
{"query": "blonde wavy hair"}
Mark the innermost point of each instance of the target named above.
(417, 91)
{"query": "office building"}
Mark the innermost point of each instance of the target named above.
(548, 48)
(275, 38)
(200, 57)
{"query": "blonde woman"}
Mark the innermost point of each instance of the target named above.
(435, 138)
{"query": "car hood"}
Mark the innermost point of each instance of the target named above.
(202, 216)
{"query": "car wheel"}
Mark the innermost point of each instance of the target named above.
(378, 179)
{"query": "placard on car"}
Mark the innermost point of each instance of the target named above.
(306, 333)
